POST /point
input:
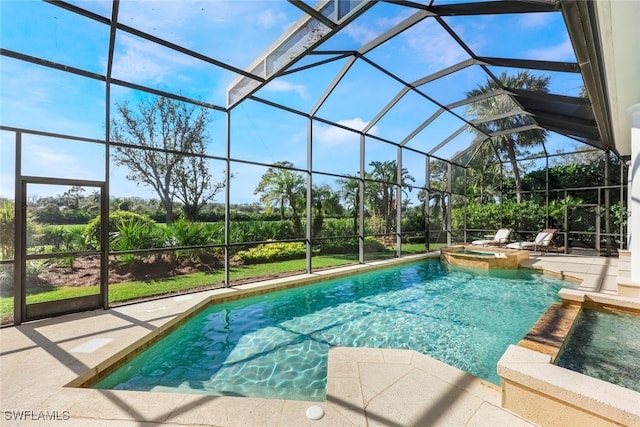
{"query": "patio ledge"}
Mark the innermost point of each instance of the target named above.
(546, 394)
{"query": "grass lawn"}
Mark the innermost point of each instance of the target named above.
(126, 291)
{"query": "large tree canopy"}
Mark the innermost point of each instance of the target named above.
(494, 114)
(172, 139)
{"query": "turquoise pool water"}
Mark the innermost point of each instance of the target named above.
(275, 345)
(604, 345)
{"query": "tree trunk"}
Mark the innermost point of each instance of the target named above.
(168, 206)
(514, 165)
(443, 206)
(166, 199)
(385, 207)
(356, 209)
(391, 210)
(191, 212)
(295, 218)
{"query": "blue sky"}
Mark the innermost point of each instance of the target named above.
(238, 32)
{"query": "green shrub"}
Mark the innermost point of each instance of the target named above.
(619, 215)
(75, 216)
(526, 215)
(52, 235)
(271, 252)
(138, 235)
(350, 245)
(71, 239)
(33, 269)
(334, 227)
(371, 244)
(57, 238)
(258, 231)
(186, 233)
(413, 220)
(414, 239)
(6, 280)
(478, 216)
(116, 219)
(7, 229)
(48, 214)
(338, 246)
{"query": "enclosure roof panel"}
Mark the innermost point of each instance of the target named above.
(513, 36)
(439, 76)
(569, 116)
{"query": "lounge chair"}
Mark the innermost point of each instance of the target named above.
(500, 238)
(541, 242)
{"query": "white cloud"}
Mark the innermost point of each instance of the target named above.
(356, 123)
(49, 162)
(44, 99)
(141, 61)
(560, 52)
(534, 20)
(360, 33)
(331, 136)
(389, 22)
(434, 46)
(365, 33)
(269, 18)
(284, 86)
(27, 82)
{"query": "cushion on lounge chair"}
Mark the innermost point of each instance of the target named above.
(543, 239)
(501, 236)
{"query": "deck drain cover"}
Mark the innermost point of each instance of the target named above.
(315, 412)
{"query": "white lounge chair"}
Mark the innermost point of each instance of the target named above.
(500, 238)
(541, 242)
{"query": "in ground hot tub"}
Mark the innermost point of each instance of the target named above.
(483, 257)
(604, 343)
(537, 387)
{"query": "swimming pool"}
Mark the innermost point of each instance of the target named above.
(275, 345)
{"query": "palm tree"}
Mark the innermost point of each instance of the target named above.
(281, 187)
(501, 104)
(350, 193)
(381, 194)
(483, 176)
(324, 201)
